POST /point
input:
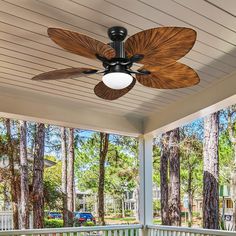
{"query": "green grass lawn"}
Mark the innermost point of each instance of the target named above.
(127, 220)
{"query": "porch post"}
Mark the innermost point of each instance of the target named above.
(145, 178)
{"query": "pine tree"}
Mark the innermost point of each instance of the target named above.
(24, 213)
(104, 141)
(211, 172)
(164, 179)
(13, 175)
(38, 189)
(70, 178)
(174, 175)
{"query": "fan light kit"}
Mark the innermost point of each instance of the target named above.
(117, 80)
(157, 49)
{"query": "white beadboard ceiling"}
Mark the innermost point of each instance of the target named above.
(26, 50)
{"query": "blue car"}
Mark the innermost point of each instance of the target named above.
(54, 215)
(83, 217)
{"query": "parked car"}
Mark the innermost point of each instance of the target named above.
(83, 217)
(54, 215)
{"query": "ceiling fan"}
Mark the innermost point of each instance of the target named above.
(157, 49)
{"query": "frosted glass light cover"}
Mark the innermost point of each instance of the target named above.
(117, 80)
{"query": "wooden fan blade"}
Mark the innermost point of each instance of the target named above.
(102, 91)
(173, 76)
(80, 44)
(68, 73)
(161, 46)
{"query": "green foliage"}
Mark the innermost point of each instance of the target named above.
(121, 165)
(88, 224)
(191, 154)
(52, 185)
(53, 223)
(128, 213)
(226, 157)
(156, 161)
(156, 205)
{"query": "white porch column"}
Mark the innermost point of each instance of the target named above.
(145, 178)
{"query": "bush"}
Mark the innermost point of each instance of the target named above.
(129, 213)
(195, 214)
(88, 223)
(53, 223)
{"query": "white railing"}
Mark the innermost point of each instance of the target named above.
(6, 220)
(161, 230)
(114, 230)
(120, 230)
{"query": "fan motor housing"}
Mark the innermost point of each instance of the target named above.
(117, 34)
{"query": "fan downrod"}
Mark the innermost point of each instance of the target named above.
(117, 33)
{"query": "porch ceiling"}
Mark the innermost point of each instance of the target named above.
(25, 50)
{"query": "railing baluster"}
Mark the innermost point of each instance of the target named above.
(151, 232)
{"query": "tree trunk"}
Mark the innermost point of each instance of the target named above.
(6, 200)
(24, 178)
(13, 180)
(123, 206)
(164, 180)
(190, 196)
(70, 178)
(38, 194)
(211, 172)
(174, 173)
(104, 141)
(64, 176)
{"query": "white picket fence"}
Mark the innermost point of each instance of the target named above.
(111, 230)
(161, 230)
(120, 230)
(6, 221)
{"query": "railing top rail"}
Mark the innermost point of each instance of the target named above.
(70, 229)
(193, 230)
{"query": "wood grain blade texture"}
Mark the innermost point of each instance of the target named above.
(102, 91)
(173, 76)
(161, 46)
(80, 44)
(68, 73)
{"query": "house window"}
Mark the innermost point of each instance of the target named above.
(229, 203)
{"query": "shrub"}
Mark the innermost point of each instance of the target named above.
(88, 223)
(196, 214)
(128, 213)
(53, 223)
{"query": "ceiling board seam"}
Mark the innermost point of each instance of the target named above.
(51, 18)
(186, 22)
(204, 16)
(227, 12)
(107, 15)
(49, 53)
(53, 68)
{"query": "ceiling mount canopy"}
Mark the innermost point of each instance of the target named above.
(156, 49)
